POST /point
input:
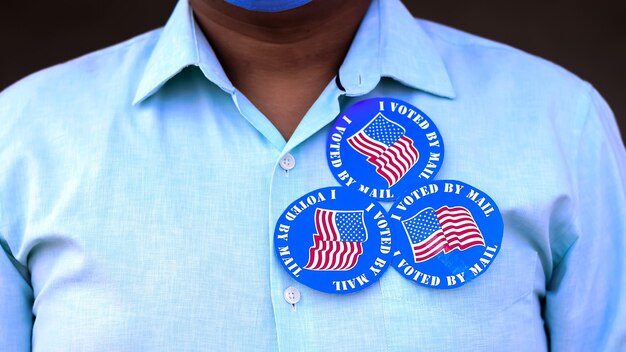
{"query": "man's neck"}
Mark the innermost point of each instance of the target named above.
(281, 61)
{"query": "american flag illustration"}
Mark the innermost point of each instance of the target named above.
(446, 229)
(338, 241)
(386, 147)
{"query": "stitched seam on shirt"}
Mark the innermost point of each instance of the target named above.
(380, 39)
(497, 46)
(380, 72)
(195, 35)
(269, 227)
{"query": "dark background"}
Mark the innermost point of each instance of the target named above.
(586, 37)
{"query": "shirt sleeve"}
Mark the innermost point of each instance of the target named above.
(16, 293)
(16, 298)
(585, 309)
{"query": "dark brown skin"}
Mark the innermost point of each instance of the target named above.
(281, 61)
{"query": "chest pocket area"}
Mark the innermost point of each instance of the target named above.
(507, 283)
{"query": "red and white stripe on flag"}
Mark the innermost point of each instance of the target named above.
(328, 251)
(458, 231)
(392, 162)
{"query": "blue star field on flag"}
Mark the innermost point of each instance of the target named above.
(351, 226)
(384, 131)
(423, 225)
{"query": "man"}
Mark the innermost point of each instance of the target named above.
(140, 186)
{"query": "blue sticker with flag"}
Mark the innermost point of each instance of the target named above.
(382, 146)
(334, 240)
(445, 233)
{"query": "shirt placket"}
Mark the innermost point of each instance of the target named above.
(306, 318)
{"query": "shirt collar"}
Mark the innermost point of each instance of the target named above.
(389, 43)
(181, 44)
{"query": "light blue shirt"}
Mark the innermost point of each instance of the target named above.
(139, 191)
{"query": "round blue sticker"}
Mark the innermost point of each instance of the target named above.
(382, 146)
(445, 233)
(334, 240)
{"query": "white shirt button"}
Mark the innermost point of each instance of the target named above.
(287, 162)
(292, 295)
